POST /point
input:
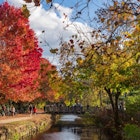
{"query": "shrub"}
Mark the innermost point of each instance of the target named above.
(131, 132)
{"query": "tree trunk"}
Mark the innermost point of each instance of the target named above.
(114, 97)
(116, 112)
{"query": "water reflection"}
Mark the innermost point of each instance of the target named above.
(69, 118)
(70, 132)
(61, 136)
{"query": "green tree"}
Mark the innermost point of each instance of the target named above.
(110, 62)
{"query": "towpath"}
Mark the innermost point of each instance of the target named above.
(20, 117)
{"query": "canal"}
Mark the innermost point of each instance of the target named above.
(67, 128)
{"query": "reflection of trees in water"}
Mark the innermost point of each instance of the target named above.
(76, 130)
(73, 132)
(87, 133)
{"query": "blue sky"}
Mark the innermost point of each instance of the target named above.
(53, 22)
(93, 6)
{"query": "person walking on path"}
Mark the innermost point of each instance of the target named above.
(31, 109)
(3, 110)
(13, 110)
(34, 110)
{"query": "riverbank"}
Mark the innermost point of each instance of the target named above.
(23, 126)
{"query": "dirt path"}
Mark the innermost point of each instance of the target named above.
(18, 117)
(4, 120)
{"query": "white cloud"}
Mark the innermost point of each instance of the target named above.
(53, 22)
(16, 3)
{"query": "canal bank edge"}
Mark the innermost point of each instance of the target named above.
(25, 128)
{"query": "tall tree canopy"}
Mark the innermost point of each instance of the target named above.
(19, 56)
(111, 61)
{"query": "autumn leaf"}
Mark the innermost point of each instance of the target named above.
(25, 11)
(54, 50)
(48, 1)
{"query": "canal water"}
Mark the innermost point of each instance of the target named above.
(67, 129)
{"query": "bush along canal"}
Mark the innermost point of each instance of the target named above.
(72, 127)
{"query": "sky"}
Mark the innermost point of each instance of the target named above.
(53, 22)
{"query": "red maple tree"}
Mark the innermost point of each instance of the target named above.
(20, 56)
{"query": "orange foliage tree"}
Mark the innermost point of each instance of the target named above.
(19, 56)
(47, 71)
